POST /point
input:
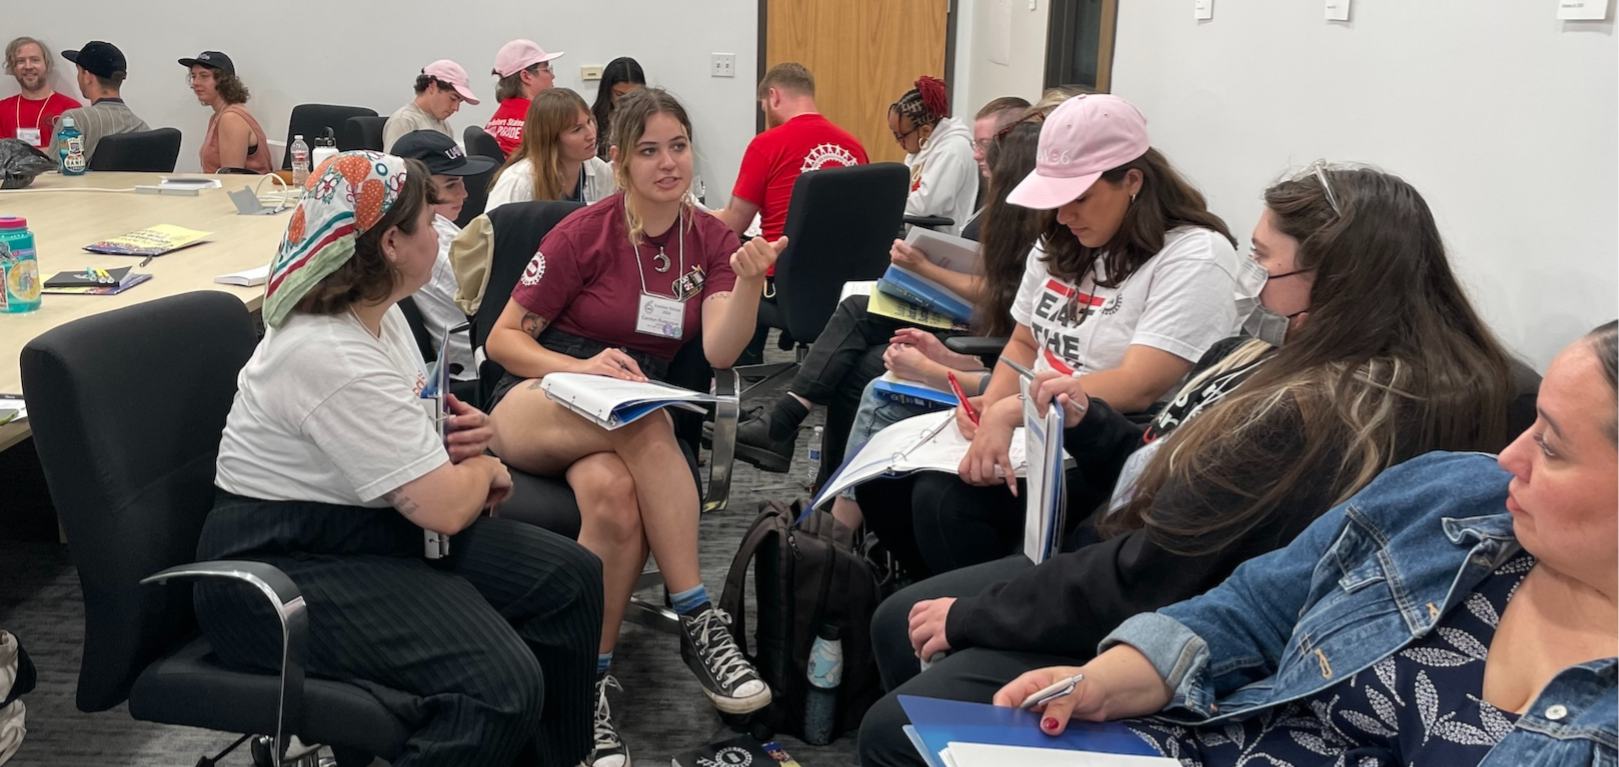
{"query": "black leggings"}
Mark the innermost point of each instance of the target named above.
(487, 656)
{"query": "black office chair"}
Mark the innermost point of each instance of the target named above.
(361, 133)
(127, 409)
(840, 226)
(479, 143)
(150, 151)
(311, 120)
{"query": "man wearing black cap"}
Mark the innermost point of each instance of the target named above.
(436, 300)
(102, 70)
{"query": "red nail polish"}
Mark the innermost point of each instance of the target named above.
(1050, 723)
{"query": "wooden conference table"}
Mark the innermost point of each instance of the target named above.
(65, 216)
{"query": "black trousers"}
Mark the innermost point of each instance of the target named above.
(488, 655)
(973, 674)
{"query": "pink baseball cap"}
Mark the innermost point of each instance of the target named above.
(1083, 138)
(452, 73)
(519, 55)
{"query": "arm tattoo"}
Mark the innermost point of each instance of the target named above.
(532, 324)
(402, 502)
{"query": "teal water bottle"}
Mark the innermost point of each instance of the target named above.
(19, 267)
(70, 148)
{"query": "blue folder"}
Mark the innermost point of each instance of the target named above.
(939, 723)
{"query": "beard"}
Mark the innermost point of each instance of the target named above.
(31, 82)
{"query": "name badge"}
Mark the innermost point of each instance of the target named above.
(689, 284)
(31, 136)
(660, 316)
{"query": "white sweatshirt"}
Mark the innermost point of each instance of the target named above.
(944, 175)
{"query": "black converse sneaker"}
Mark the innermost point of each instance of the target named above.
(610, 749)
(728, 679)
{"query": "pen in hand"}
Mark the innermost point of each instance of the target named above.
(966, 406)
(1061, 689)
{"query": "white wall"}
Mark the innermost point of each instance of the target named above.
(978, 79)
(371, 51)
(1506, 120)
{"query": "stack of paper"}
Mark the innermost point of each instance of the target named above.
(154, 241)
(952, 733)
(612, 402)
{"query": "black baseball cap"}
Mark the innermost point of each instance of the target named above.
(440, 154)
(211, 60)
(99, 58)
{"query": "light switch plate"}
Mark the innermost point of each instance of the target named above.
(723, 65)
(590, 72)
(1337, 10)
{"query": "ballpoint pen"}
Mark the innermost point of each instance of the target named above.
(1061, 688)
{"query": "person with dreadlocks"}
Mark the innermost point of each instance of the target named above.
(939, 152)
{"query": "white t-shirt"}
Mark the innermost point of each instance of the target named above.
(436, 300)
(516, 183)
(327, 412)
(1182, 301)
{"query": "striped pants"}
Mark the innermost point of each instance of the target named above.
(488, 655)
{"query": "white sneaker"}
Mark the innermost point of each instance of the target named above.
(610, 749)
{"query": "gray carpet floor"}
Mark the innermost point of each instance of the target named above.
(661, 713)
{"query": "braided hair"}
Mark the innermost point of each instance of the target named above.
(925, 104)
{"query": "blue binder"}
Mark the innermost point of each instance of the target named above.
(938, 723)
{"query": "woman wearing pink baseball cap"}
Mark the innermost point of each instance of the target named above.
(1131, 282)
(524, 69)
(440, 89)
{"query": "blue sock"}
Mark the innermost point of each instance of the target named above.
(688, 601)
(603, 660)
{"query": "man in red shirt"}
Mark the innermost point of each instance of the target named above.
(32, 115)
(524, 69)
(797, 138)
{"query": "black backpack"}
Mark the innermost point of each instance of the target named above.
(807, 574)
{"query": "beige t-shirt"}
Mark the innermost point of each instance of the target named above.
(411, 118)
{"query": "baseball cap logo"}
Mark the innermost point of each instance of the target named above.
(454, 153)
(1054, 156)
(205, 57)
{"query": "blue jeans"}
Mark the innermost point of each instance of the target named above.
(875, 414)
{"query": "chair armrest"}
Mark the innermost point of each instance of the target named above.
(722, 447)
(288, 602)
(930, 222)
(977, 346)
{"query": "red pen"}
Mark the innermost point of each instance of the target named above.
(955, 386)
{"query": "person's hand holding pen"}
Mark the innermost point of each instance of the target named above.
(1118, 684)
(989, 460)
(1065, 390)
(613, 363)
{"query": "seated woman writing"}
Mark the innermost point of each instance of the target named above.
(556, 158)
(1460, 610)
(1132, 281)
(1369, 353)
(644, 252)
(330, 468)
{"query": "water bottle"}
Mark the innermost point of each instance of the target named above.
(825, 673)
(70, 148)
(19, 267)
(324, 147)
(814, 467)
(300, 161)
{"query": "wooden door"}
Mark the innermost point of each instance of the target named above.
(864, 54)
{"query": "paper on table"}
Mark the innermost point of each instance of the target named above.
(1582, 10)
(246, 278)
(989, 755)
(152, 241)
(1044, 503)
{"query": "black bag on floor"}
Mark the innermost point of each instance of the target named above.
(807, 574)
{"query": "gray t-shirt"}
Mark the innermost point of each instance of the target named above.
(411, 118)
(103, 118)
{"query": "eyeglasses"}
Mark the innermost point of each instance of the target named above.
(544, 66)
(900, 137)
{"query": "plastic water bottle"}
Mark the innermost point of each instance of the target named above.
(814, 467)
(825, 674)
(19, 267)
(300, 161)
(70, 148)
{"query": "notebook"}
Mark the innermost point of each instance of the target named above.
(152, 241)
(941, 724)
(12, 408)
(611, 402)
(929, 442)
(886, 305)
(129, 281)
(907, 392)
(246, 278)
(992, 755)
(88, 278)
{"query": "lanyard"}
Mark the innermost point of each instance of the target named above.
(680, 234)
(39, 119)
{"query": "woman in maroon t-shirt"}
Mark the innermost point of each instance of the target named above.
(615, 290)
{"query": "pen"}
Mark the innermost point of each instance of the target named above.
(1049, 694)
(955, 386)
(1022, 371)
(145, 261)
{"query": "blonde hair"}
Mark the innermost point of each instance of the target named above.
(629, 124)
(17, 44)
(551, 113)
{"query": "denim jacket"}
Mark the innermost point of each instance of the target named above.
(1364, 581)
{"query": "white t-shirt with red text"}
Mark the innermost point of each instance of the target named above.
(1182, 301)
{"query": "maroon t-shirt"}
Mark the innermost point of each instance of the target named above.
(584, 279)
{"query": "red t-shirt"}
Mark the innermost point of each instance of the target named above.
(507, 124)
(776, 157)
(43, 114)
(584, 278)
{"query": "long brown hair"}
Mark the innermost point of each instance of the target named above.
(552, 112)
(1392, 362)
(1166, 201)
(629, 124)
(1008, 231)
